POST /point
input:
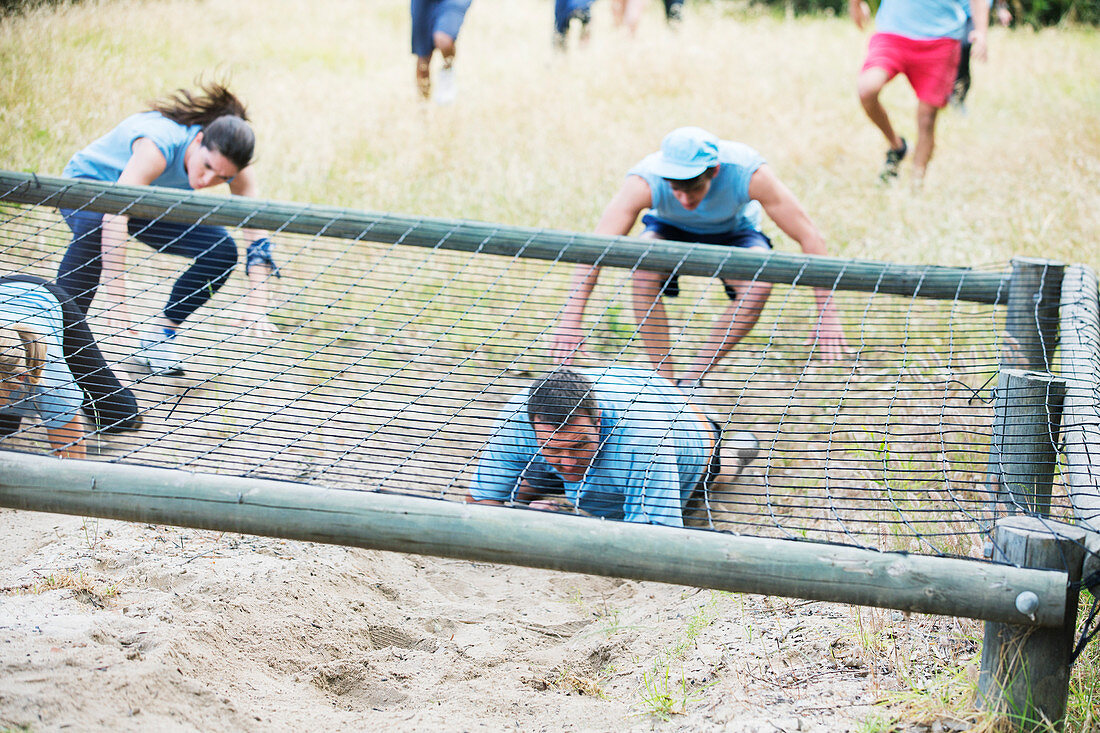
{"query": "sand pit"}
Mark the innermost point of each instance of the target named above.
(113, 625)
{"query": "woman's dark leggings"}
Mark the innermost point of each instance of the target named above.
(212, 249)
(111, 407)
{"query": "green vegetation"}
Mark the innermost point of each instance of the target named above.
(1035, 13)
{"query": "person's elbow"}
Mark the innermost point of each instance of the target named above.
(471, 499)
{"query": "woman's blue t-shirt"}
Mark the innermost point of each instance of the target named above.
(104, 159)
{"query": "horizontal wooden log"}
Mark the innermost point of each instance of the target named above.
(824, 572)
(926, 281)
(1080, 368)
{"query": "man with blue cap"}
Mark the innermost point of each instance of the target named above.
(698, 188)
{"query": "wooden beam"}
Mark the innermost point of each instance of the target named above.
(1080, 367)
(707, 559)
(926, 281)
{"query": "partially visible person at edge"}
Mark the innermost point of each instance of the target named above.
(674, 11)
(921, 40)
(698, 188)
(435, 26)
(51, 368)
(191, 140)
(961, 88)
(566, 11)
(615, 442)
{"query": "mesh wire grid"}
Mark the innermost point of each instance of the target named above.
(392, 364)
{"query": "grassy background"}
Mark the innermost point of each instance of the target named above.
(540, 139)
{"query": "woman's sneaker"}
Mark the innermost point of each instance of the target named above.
(157, 350)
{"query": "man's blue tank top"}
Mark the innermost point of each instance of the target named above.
(726, 207)
(105, 158)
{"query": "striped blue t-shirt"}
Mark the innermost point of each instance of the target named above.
(57, 397)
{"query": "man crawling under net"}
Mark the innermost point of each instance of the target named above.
(619, 443)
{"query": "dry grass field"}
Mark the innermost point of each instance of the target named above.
(190, 630)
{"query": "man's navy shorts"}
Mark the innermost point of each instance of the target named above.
(744, 238)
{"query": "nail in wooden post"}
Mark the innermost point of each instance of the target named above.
(1027, 416)
(1031, 319)
(1025, 671)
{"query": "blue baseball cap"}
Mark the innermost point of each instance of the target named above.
(685, 153)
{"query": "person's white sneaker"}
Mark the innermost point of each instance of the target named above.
(445, 87)
(157, 350)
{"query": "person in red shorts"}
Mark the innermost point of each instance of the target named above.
(921, 39)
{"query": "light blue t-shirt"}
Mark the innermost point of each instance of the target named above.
(56, 398)
(104, 159)
(923, 19)
(654, 448)
(726, 207)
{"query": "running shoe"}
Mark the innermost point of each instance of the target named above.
(893, 162)
(159, 353)
(445, 87)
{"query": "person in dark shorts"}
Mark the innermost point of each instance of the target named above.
(961, 88)
(435, 27)
(567, 11)
(698, 188)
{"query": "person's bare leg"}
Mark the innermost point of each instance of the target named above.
(618, 9)
(632, 15)
(446, 47)
(424, 76)
(926, 138)
(652, 320)
(869, 85)
(732, 326)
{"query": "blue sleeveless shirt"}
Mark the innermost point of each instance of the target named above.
(105, 158)
(726, 207)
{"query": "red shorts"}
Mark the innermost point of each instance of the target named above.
(929, 65)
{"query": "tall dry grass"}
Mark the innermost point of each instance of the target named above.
(542, 139)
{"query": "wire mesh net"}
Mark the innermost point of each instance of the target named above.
(393, 368)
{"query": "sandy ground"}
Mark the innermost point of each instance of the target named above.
(113, 625)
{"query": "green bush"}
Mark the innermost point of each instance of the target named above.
(1037, 13)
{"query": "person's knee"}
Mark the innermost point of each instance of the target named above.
(444, 42)
(869, 85)
(214, 265)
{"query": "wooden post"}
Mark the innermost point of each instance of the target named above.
(1025, 671)
(1031, 320)
(1027, 415)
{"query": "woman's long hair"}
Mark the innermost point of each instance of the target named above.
(222, 115)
